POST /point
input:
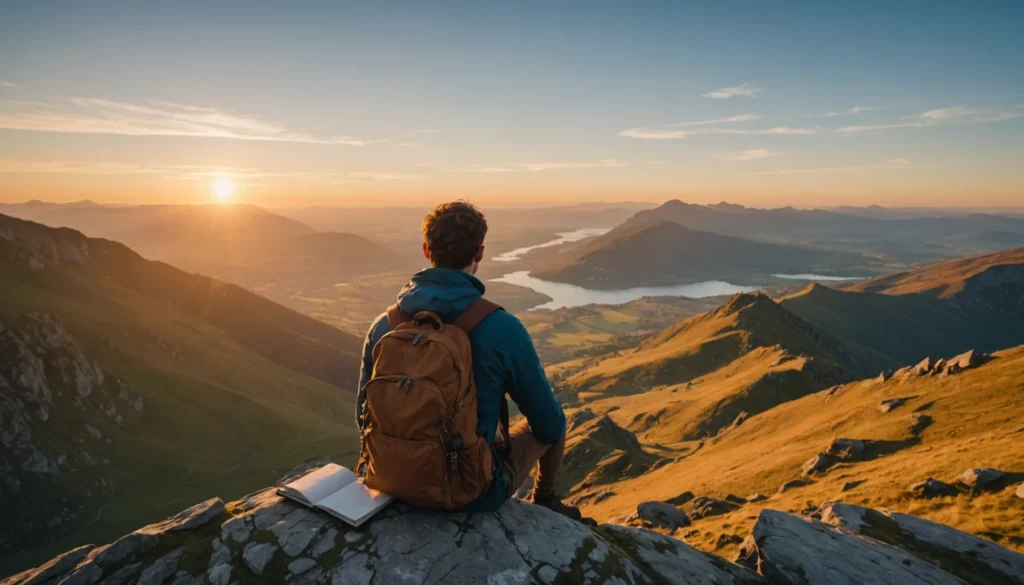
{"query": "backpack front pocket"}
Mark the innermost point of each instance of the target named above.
(410, 470)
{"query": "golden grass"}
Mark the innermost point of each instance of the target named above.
(978, 422)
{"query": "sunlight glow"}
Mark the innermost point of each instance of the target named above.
(223, 190)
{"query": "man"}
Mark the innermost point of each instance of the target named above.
(504, 360)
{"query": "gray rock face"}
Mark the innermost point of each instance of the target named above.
(193, 517)
(47, 380)
(975, 560)
(662, 514)
(797, 551)
(519, 543)
(933, 488)
(257, 555)
(980, 478)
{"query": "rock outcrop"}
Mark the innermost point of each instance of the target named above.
(975, 560)
(933, 488)
(851, 545)
(662, 514)
(58, 410)
(980, 478)
(265, 539)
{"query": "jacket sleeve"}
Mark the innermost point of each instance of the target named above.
(527, 384)
(378, 328)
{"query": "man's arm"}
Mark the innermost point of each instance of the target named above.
(378, 328)
(524, 377)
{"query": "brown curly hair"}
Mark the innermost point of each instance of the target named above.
(454, 232)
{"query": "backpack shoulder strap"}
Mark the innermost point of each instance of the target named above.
(396, 317)
(475, 313)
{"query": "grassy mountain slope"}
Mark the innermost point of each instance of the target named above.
(948, 423)
(226, 378)
(667, 253)
(266, 328)
(906, 327)
(962, 280)
(696, 377)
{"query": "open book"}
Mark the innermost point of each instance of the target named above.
(337, 491)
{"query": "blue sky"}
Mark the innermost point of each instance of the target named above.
(756, 102)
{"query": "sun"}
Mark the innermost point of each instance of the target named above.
(223, 190)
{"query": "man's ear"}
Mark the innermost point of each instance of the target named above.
(426, 251)
(479, 255)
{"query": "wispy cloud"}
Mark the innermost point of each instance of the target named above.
(5, 83)
(746, 89)
(943, 116)
(891, 164)
(754, 154)
(72, 168)
(537, 166)
(377, 176)
(202, 173)
(407, 144)
(152, 118)
(848, 112)
(678, 131)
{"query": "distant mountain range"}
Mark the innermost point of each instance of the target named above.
(898, 237)
(124, 375)
(667, 253)
(243, 244)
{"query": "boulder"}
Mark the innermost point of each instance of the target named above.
(981, 478)
(933, 488)
(846, 448)
(755, 497)
(282, 541)
(680, 499)
(791, 550)
(733, 499)
(703, 506)
(791, 484)
(663, 515)
(965, 361)
(891, 404)
(1020, 491)
(191, 518)
(819, 464)
(975, 560)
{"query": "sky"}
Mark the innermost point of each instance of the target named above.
(518, 103)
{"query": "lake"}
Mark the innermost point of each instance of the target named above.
(569, 295)
(816, 277)
(563, 238)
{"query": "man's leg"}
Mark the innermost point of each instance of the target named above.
(526, 453)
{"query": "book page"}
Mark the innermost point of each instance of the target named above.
(355, 502)
(321, 483)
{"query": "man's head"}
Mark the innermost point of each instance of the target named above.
(453, 236)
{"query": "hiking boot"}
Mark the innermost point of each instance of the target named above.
(555, 504)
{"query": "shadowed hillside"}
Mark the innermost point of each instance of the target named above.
(129, 388)
(68, 262)
(666, 253)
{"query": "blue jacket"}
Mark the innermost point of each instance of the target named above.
(504, 360)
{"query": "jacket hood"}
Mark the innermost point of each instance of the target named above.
(445, 291)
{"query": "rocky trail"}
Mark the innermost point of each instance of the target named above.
(263, 538)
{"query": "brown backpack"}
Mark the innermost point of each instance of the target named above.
(419, 441)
